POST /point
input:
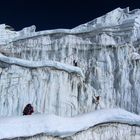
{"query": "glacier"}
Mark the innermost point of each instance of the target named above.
(38, 68)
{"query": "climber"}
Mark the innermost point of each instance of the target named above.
(96, 99)
(75, 63)
(28, 110)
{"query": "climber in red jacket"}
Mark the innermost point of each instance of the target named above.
(28, 110)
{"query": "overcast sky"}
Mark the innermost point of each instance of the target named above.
(51, 14)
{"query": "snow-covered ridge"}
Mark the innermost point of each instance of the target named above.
(37, 64)
(26, 126)
(114, 21)
(115, 17)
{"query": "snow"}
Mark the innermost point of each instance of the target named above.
(135, 56)
(25, 126)
(36, 64)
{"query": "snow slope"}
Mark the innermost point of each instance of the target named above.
(24, 126)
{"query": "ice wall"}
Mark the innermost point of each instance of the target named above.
(50, 91)
(103, 54)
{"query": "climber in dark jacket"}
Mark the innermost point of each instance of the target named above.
(28, 110)
(75, 63)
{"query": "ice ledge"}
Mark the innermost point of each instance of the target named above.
(38, 64)
(27, 126)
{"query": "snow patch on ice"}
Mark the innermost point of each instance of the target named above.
(135, 56)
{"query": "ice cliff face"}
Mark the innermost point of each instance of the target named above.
(106, 49)
(113, 131)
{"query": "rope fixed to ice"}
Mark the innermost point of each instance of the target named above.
(37, 64)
